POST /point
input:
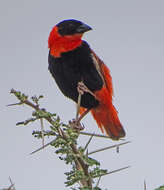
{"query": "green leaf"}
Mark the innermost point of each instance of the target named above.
(97, 172)
(160, 188)
(74, 176)
(91, 161)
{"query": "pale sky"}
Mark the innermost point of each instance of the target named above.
(129, 36)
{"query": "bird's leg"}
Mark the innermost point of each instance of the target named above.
(81, 88)
(83, 115)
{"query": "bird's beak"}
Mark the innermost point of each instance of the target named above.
(83, 28)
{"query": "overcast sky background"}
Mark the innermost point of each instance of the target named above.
(129, 36)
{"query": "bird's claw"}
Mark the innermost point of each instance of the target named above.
(76, 125)
(81, 88)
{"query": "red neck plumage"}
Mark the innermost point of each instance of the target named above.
(59, 44)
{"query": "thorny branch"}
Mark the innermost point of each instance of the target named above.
(11, 187)
(66, 136)
(80, 164)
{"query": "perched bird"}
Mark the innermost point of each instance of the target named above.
(77, 69)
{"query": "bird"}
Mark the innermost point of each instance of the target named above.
(77, 69)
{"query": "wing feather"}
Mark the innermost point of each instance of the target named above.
(104, 72)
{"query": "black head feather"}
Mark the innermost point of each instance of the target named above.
(71, 26)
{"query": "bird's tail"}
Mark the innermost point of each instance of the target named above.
(106, 116)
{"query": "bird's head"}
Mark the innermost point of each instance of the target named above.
(66, 33)
(72, 27)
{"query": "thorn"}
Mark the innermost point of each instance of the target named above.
(117, 149)
(15, 104)
(87, 153)
(12, 184)
(41, 148)
(114, 171)
(42, 131)
(98, 181)
(109, 147)
(144, 185)
(97, 135)
(86, 146)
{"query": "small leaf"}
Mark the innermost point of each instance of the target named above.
(160, 188)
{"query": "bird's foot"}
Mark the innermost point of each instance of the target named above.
(81, 88)
(75, 124)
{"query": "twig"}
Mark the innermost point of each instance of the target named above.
(86, 146)
(92, 134)
(114, 171)
(80, 161)
(42, 131)
(96, 135)
(145, 185)
(97, 184)
(11, 187)
(15, 104)
(12, 184)
(109, 147)
(41, 148)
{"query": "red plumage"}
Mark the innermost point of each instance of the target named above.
(105, 113)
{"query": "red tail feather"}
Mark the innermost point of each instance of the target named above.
(106, 115)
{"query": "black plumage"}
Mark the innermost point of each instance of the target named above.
(75, 66)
